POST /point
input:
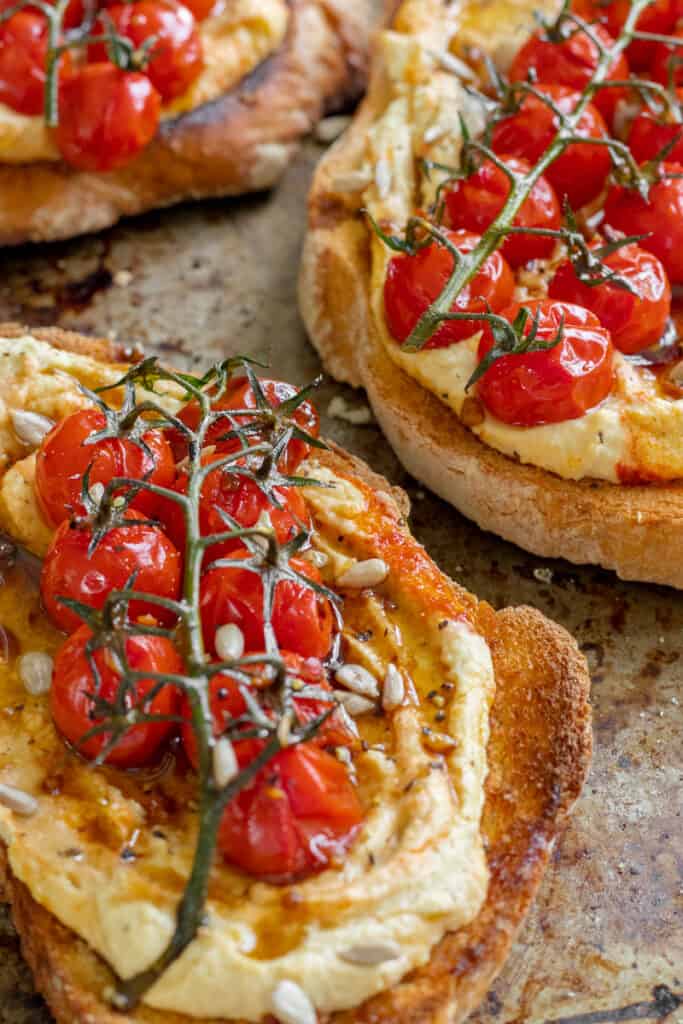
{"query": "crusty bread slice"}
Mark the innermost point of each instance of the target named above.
(241, 142)
(539, 752)
(635, 530)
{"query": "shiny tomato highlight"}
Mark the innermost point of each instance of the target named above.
(561, 383)
(414, 282)
(23, 58)
(650, 133)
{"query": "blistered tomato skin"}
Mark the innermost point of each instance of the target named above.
(72, 707)
(571, 62)
(65, 455)
(635, 319)
(106, 116)
(414, 282)
(651, 132)
(659, 218)
(474, 203)
(551, 386)
(71, 571)
(581, 171)
(175, 59)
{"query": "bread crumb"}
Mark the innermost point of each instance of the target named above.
(340, 409)
(122, 278)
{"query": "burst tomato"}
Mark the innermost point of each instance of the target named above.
(557, 384)
(474, 203)
(581, 171)
(571, 62)
(176, 55)
(667, 63)
(240, 395)
(636, 320)
(23, 59)
(659, 217)
(70, 571)
(73, 684)
(302, 620)
(414, 282)
(651, 132)
(300, 813)
(106, 116)
(65, 455)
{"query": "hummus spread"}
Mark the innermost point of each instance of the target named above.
(108, 854)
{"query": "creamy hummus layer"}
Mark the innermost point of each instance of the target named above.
(236, 39)
(417, 870)
(637, 428)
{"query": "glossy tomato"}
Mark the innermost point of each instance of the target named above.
(557, 384)
(667, 63)
(636, 320)
(175, 59)
(414, 282)
(240, 498)
(651, 132)
(73, 684)
(201, 9)
(23, 59)
(302, 620)
(474, 203)
(70, 571)
(659, 217)
(659, 18)
(239, 394)
(106, 116)
(581, 171)
(65, 455)
(571, 62)
(300, 813)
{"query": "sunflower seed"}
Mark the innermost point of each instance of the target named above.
(358, 679)
(225, 765)
(353, 704)
(18, 801)
(35, 672)
(370, 956)
(352, 181)
(229, 642)
(368, 573)
(330, 128)
(30, 427)
(394, 690)
(291, 1005)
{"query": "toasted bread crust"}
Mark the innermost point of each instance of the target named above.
(635, 530)
(239, 143)
(539, 753)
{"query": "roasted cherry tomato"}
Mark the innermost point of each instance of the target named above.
(659, 18)
(414, 282)
(659, 217)
(651, 132)
(175, 59)
(239, 497)
(636, 320)
(580, 173)
(474, 203)
(73, 686)
(64, 457)
(239, 394)
(302, 620)
(106, 116)
(227, 704)
(667, 63)
(300, 813)
(557, 384)
(201, 9)
(23, 59)
(69, 571)
(571, 62)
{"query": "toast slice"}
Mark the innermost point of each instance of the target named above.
(240, 142)
(538, 753)
(635, 530)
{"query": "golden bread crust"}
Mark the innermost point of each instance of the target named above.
(239, 143)
(539, 753)
(635, 530)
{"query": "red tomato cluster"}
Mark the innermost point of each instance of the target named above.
(629, 312)
(301, 809)
(106, 114)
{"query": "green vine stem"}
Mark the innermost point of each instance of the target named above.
(467, 265)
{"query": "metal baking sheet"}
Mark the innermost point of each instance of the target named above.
(604, 942)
